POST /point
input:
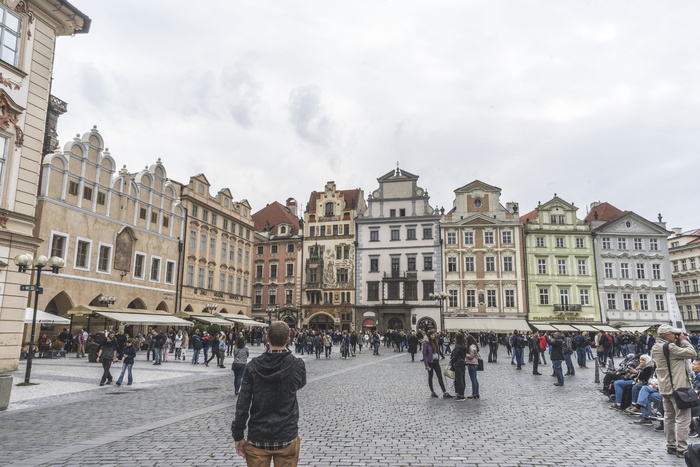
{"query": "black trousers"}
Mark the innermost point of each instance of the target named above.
(106, 375)
(460, 381)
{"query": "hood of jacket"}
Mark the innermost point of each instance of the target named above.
(273, 367)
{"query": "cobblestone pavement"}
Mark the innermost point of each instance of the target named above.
(363, 411)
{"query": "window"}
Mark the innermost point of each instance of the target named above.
(154, 217)
(428, 288)
(641, 274)
(539, 242)
(346, 231)
(102, 199)
(621, 243)
(561, 266)
(273, 271)
(678, 287)
(412, 290)
(507, 236)
(608, 268)
(346, 252)
(290, 269)
(452, 298)
(142, 213)
(313, 276)
(258, 271)
(469, 264)
(169, 272)
(395, 235)
(203, 243)
(374, 235)
(695, 285)
(247, 257)
(402, 212)
(544, 296)
(258, 297)
(468, 238)
(245, 287)
(155, 269)
(82, 254)
(624, 270)
(312, 231)
(393, 291)
(656, 271)
(190, 275)
(659, 298)
(510, 298)
(686, 286)
(410, 233)
(240, 254)
(72, 186)
(626, 301)
(225, 221)
(395, 259)
(195, 211)
(290, 248)
(692, 263)
(612, 302)
(342, 275)
(104, 258)
(653, 244)
(10, 28)
(471, 298)
(491, 298)
(411, 261)
(508, 263)
(579, 242)
(392, 212)
(205, 215)
(323, 231)
(427, 232)
(428, 262)
(488, 238)
(541, 266)
(339, 252)
(58, 246)
(272, 299)
(560, 242)
(288, 297)
(166, 221)
(335, 230)
(274, 249)
(684, 265)
(373, 291)
(330, 207)
(261, 250)
(224, 249)
(374, 264)
(210, 280)
(213, 222)
(582, 267)
(451, 238)
(490, 264)
(643, 302)
(583, 297)
(637, 243)
(675, 266)
(451, 264)
(139, 261)
(564, 298)
(212, 246)
(193, 239)
(606, 243)
(697, 311)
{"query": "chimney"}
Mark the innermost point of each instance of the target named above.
(677, 231)
(292, 206)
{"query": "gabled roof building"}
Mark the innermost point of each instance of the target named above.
(684, 252)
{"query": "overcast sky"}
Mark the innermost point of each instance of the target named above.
(592, 100)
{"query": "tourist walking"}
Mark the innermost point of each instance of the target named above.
(240, 359)
(197, 345)
(413, 345)
(107, 354)
(178, 344)
(458, 363)
(472, 361)
(128, 362)
(185, 345)
(431, 359)
(327, 343)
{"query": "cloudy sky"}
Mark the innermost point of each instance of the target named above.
(592, 100)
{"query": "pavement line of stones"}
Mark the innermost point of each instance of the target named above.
(92, 443)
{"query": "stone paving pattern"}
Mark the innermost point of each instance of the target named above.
(363, 411)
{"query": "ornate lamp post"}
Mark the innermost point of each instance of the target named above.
(106, 301)
(211, 307)
(440, 297)
(24, 263)
(272, 309)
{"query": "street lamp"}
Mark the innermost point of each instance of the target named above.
(440, 297)
(211, 307)
(270, 310)
(106, 301)
(24, 263)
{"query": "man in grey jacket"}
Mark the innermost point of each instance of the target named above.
(676, 421)
(267, 404)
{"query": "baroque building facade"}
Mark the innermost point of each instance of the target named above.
(632, 266)
(217, 251)
(28, 42)
(277, 263)
(329, 252)
(399, 265)
(560, 267)
(684, 251)
(483, 262)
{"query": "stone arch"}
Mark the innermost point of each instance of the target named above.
(137, 304)
(321, 320)
(59, 304)
(162, 306)
(189, 309)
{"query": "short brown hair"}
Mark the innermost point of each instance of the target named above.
(278, 333)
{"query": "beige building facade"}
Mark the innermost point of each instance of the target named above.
(26, 64)
(117, 231)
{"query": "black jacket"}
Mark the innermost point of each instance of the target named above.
(129, 354)
(267, 402)
(557, 349)
(459, 354)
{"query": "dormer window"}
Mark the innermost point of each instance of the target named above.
(330, 207)
(283, 230)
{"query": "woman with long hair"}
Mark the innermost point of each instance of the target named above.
(431, 359)
(472, 361)
(458, 362)
(240, 359)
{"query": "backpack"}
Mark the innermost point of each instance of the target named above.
(222, 345)
(610, 339)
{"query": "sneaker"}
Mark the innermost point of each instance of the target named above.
(447, 395)
(460, 399)
(693, 434)
(432, 394)
(559, 384)
(615, 407)
(659, 428)
(670, 450)
(632, 411)
(118, 383)
(643, 421)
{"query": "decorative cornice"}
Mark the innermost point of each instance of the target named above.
(23, 7)
(8, 83)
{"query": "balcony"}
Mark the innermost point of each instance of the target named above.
(567, 308)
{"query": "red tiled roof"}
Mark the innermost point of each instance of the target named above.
(274, 214)
(606, 212)
(529, 216)
(351, 198)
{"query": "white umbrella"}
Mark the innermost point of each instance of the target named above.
(43, 317)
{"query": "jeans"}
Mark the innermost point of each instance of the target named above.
(195, 356)
(544, 360)
(318, 351)
(376, 349)
(647, 395)
(519, 357)
(238, 375)
(493, 352)
(206, 352)
(328, 351)
(589, 352)
(581, 356)
(472, 378)
(635, 392)
(557, 371)
(126, 367)
(569, 364)
(460, 383)
(158, 355)
(619, 386)
(434, 367)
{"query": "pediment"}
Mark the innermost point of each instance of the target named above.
(477, 185)
(397, 174)
(556, 202)
(477, 219)
(633, 224)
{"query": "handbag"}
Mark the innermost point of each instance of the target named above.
(686, 398)
(480, 365)
(448, 371)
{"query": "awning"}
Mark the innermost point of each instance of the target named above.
(635, 328)
(244, 321)
(486, 324)
(606, 328)
(210, 319)
(144, 319)
(565, 327)
(545, 327)
(585, 327)
(43, 317)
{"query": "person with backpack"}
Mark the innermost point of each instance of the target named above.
(557, 356)
(580, 344)
(568, 352)
(519, 344)
(534, 344)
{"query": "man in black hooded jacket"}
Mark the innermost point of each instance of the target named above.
(267, 404)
